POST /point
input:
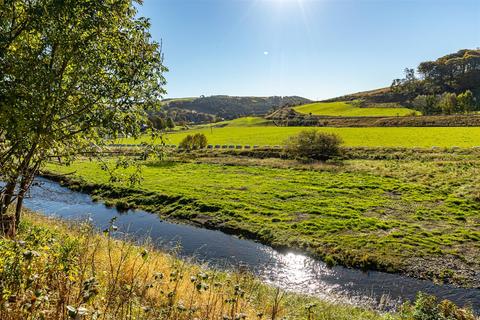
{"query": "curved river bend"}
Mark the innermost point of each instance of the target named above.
(290, 271)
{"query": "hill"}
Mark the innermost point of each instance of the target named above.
(453, 73)
(226, 107)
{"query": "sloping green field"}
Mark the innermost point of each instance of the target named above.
(344, 109)
(368, 137)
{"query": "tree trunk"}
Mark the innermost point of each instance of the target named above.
(5, 201)
(18, 208)
(25, 184)
(6, 197)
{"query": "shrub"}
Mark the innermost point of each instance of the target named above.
(312, 144)
(427, 307)
(197, 141)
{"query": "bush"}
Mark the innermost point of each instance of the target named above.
(427, 307)
(197, 141)
(312, 144)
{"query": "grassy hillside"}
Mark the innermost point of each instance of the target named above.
(372, 137)
(244, 122)
(342, 108)
(53, 270)
(412, 216)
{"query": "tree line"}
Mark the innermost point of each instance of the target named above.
(450, 84)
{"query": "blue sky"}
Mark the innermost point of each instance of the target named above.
(312, 48)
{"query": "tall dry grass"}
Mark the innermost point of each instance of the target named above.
(54, 270)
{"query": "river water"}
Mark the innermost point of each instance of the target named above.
(290, 271)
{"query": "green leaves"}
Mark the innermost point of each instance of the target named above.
(73, 74)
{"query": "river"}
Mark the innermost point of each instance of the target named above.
(287, 270)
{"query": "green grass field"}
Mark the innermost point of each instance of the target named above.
(392, 215)
(368, 137)
(344, 109)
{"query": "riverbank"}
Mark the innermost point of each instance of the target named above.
(395, 216)
(55, 269)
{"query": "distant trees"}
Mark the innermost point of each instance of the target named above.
(313, 144)
(170, 124)
(409, 85)
(426, 104)
(451, 83)
(193, 142)
(455, 72)
(446, 103)
(158, 122)
(466, 101)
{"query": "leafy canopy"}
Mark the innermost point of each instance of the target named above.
(72, 74)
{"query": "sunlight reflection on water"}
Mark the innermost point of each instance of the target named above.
(290, 271)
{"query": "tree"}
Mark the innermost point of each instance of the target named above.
(427, 104)
(448, 103)
(197, 141)
(409, 86)
(456, 72)
(71, 74)
(170, 123)
(466, 101)
(158, 122)
(312, 144)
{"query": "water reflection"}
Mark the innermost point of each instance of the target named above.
(289, 271)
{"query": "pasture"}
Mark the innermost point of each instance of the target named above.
(406, 216)
(345, 109)
(353, 137)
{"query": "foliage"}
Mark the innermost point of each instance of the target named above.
(447, 103)
(59, 271)
(72, 73)
(170, 123)
(349, 109)
(466, 101)
(409, 85)
(313, 144)
(427, 104)
(454, 73)
(427, 307)
(192, 142)
(158, 122)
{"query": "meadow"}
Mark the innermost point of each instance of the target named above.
(345, 109)
(354, 137)
(414, 217)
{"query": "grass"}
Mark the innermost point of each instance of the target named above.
(345, 109)
(54, 270)
(407, 216)
(368, 137)
(244, 122)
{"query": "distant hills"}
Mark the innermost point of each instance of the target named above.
(448, 85)
(222, 107)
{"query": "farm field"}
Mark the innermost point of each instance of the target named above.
(419, 218)
(354, 137)
(344, 109)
